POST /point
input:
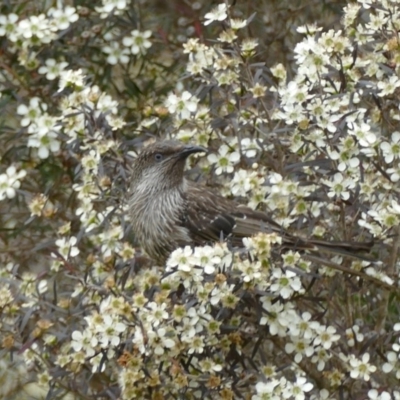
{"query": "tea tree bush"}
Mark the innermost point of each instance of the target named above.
(299, 107)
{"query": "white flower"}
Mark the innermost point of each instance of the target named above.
(300, 347)
(391, 150)
(363, 134)
(8, 26)
(217, 14)
(221, 293)
(237, 23)
(265, 390)
(392, 364)
(251, 270)
(208, 365)
(225, 160)
(181, 258)
(190, 326)
(110, 239)
(66, 247)
(62, 18)
(196, 345)
(354, 336)
(156, 313)
(36, 26)
(291, 113)
(52, 68)
(248, 46)
(116, 54)
(249, 147)
(278, 316)
(388, 86)
(298, 388)
(109, 331)
(294, 92)
(204, 257)
(109, 6)
(241, 183)
(137, 41)
(43, 135)
(311, 57)
(258, 90)
(183, 105)
(71, 78)
(340, 186)
(346, 154)
(31, 112)
(85, 341)
(285, 283)
(222, 251)
(90, 162)
(305, 327)
(160, 340)
(361, 368)
(321, 356)
(326, 336)
(10, 182)
(199, 60)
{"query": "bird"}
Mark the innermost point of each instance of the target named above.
(168, 211)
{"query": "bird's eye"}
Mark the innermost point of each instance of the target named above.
(158, 157)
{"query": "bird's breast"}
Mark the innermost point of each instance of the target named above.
(157, 221)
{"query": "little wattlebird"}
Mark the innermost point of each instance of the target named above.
(168, 211)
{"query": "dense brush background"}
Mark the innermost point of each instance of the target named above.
(298, 102)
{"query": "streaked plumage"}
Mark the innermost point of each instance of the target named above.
(167, 211)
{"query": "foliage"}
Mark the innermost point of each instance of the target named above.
(309, 134)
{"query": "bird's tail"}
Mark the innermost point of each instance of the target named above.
(359, 250)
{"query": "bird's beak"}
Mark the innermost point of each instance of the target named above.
(190, 149)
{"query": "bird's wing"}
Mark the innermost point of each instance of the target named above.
(211, 217)
(207, 218)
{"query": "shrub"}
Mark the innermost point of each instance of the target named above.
(313, 140)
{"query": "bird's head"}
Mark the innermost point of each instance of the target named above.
(161, 164)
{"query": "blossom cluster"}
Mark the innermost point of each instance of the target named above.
(37, 29)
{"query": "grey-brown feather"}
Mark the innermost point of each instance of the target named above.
(157, 201)
(167, 211)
